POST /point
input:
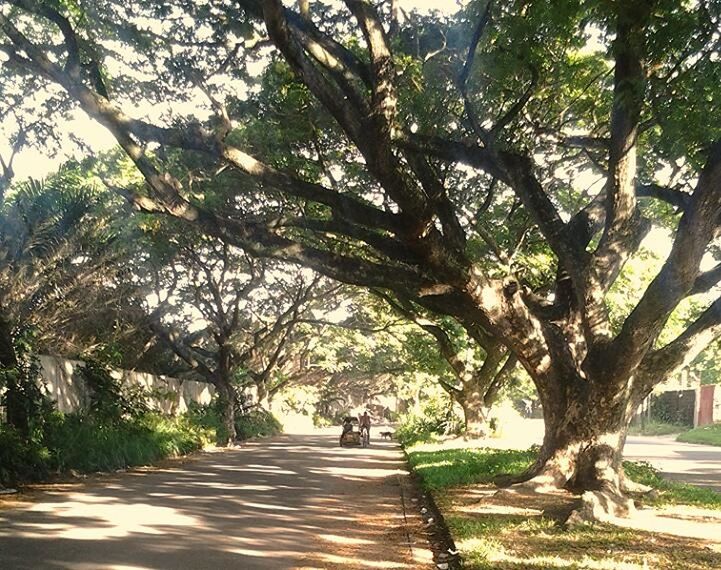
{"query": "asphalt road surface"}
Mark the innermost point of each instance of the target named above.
(688, 462)
(291, 502)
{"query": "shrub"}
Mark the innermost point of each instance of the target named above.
(436, 418)
(250, 423)
(20, 459)
(109, 401)
(85, 443)
(708, 435)
(257, 423)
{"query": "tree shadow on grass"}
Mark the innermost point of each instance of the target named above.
(530, 534)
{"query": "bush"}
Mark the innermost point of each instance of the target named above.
(436, 418)
(655, 428)
(253, 423)
(257, 423)
(109, 401)
(84, 443)
(20, 459)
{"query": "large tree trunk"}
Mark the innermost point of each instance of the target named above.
(582, 447)
(227, 401)
(475, 422)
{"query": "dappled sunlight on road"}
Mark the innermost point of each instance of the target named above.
(290, 502)
(83, 517)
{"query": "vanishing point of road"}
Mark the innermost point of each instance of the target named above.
(290, 502)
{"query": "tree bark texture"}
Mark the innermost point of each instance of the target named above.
(227, 403)
(475, 422)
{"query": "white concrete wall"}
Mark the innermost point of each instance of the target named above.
(166, 394)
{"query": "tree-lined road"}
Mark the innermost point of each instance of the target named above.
(291, 502)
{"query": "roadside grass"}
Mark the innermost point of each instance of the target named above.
(443, 468)
(86, 444)
(462, 466)
(511, 531)
(656, 428)
(708, 435)
(670, 492)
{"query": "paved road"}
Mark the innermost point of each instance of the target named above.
(291, 502)
(695, 464)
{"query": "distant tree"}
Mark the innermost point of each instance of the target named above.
(477, 379)
(229, 318)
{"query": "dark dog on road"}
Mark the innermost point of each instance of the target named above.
(386, 434)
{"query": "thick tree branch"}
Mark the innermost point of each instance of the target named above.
(382, 69)
(662, 363)
(497, 383)
(473, 46)
(707, 280)
(624, 227)
(332, 98)
(678, 275)
(171, 340)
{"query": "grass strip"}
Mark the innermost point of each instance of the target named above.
(707, 435)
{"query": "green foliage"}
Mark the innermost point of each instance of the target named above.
(20, 459)
(509, 541)
(252, 423)
(204, 415)
(708, 435)
(109, 402)
(437, 417)
(87, 443)
(671, 492)
(24, 398)
(653, 427)
(257, 423)
(441, 468)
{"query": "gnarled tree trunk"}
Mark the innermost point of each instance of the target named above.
(475, 422)
(226, 402)
(582, 447)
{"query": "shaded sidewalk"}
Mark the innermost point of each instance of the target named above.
(289, 502)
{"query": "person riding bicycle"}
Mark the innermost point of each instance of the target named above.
(364, 422)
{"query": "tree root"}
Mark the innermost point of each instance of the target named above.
(602, 506)
(504, 480)
(628, 486)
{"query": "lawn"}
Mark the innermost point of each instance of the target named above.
(510, 531)
(656, 428)
(708, 435)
